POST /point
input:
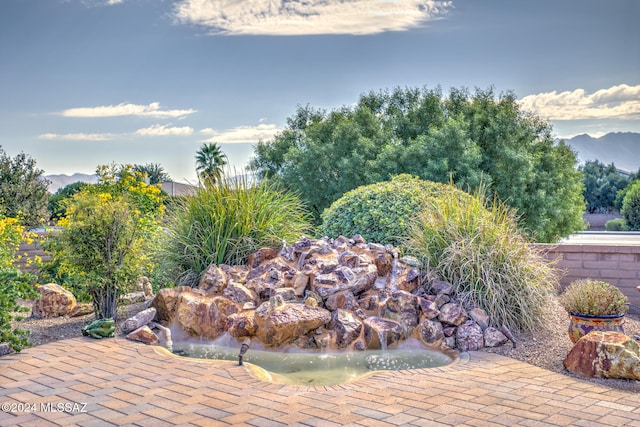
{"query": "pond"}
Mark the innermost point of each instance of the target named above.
(317, 368)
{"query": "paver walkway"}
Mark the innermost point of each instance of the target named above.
(89, 382)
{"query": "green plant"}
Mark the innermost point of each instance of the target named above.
(14, 285)
(618, 224)
(225, 222)
(631, 206)
(594, 298)
(480, 250)
(382, 212)
(105, 241)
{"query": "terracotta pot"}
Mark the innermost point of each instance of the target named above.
(581, 324)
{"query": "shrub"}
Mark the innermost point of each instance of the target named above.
(13, 286)
(618, 224)
(106, 242)
(481, 251)
(226, 222)
(382, 212)
(594, 298)
(631, 206)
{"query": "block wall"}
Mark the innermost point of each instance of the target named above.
(617, 265)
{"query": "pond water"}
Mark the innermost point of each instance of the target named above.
(318, 368)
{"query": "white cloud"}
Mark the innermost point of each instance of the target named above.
(617, 102)
(307, 17)
(165, 130)
(151, 110)
(242, 134)
(78, 136)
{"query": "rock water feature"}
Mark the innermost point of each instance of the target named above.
(342, 296)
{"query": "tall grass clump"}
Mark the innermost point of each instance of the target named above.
(224, 223)
(478, 247)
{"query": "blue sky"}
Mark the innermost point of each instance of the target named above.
(90, 82)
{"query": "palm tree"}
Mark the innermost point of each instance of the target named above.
(154, 172)
(210, 161)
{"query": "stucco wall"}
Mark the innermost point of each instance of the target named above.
(618, 265)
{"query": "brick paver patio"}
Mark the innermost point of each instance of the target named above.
(89, 382)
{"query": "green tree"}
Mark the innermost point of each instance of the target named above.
(108, 237)
(23, 189)
(467, 139)
(601, 185)
(55, 203)
(154, 173)
(210, 163)
(631, 206)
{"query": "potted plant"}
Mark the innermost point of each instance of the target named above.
(593, 305)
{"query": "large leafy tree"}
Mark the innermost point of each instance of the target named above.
(601, 184)
(465, 138)
(23, 189)
(210, 163)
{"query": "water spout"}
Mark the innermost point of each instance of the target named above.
(243, 349)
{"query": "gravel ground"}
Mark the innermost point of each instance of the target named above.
(545, 348)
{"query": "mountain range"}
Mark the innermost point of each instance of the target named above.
(620, 148)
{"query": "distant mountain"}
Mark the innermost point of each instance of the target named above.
(61, 181)
(619, 148)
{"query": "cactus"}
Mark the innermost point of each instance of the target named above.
(100, 328)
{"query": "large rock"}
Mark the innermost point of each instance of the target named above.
(140, 319)
(452, 314)
(469, 336)
(54, 301)
(346, 326)
(430, 332)
(381, 333)
(144, 334)
(283, 322)
(213, 279)
(203, 316)
(166, 301)
(406, 306)
(605, 355)
(493, 337)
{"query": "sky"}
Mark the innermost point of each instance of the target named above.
(91, 82)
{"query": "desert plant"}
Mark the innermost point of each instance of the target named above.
(593, 298)
(382, 212)
(224, 223)
(105, 241)
(14, 285)
(480, 250)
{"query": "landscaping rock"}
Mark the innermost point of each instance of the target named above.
(139, 320)
(283, 322)
(605, 355)
(54, 301)
(145, 335)
(493, 337)
(469, 336)
(479, 316)
(452, 314)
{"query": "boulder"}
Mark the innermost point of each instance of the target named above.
(469, 336)
(166, 300)
(381, 333)
(242, 324)
(430, 332)
(605, 355)
(203, 316)
(428, 307)
(54, 301)
(139, 320)
(346, 326)
(405, 305)
(213, 279)
(479, 316)
(452, 314)
(144, 334)
(493, 337)
(342, 300)
(239, 293)
(441, 287)
(284, 322)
